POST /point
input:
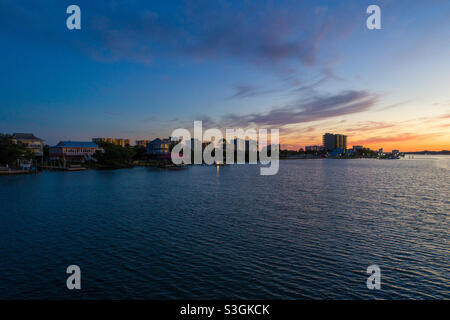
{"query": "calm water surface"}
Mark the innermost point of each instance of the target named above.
(308, 232)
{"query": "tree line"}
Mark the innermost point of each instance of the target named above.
(10, 151)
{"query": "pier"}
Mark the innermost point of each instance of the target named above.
(15, 172)
(59, 168)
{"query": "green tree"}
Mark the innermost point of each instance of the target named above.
(46, 151)
(140, 152)
(115, 156)
(10, 151)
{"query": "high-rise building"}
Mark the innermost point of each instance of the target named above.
(341, 141)
(334, 141)
(142, 143)
(329, 141)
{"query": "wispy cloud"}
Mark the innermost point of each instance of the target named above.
(312, 109)
(260, 33)
(369, 126)
(396, 138)
(245, 91)
(324, 76)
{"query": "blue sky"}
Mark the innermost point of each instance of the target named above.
(138, 69)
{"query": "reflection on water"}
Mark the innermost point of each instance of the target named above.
(308, 232)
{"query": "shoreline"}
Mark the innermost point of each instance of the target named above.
(16, 172)
(153, 165)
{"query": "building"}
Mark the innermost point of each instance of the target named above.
(314, 148)
(329, 142)
(76, 151)
(341, 141)
(245, 145)
(349, 152)
(142, 143)
(116, 141)
(334, 141)
(193, 142)
(32, 143)
(159, 148)
(336, 152)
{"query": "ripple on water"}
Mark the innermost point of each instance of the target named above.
(308, 232)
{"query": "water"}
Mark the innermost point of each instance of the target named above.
(308, 232)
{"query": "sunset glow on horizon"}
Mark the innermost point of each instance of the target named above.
(141, 70)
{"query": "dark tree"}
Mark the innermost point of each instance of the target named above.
(10, 151)
(115, 156)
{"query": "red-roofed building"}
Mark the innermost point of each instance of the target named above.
(74, 151)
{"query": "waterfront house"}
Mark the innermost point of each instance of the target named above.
(314, 148)
(74, 151)
(31, 142)
(336, 152)
(159, 148)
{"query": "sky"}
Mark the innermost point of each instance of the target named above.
(140, 69)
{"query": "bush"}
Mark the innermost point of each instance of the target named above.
(10, 151)
(114, 156)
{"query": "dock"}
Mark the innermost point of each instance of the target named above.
(70, 168)
(15, 172)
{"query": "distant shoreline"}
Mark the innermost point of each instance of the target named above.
(431, 153)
